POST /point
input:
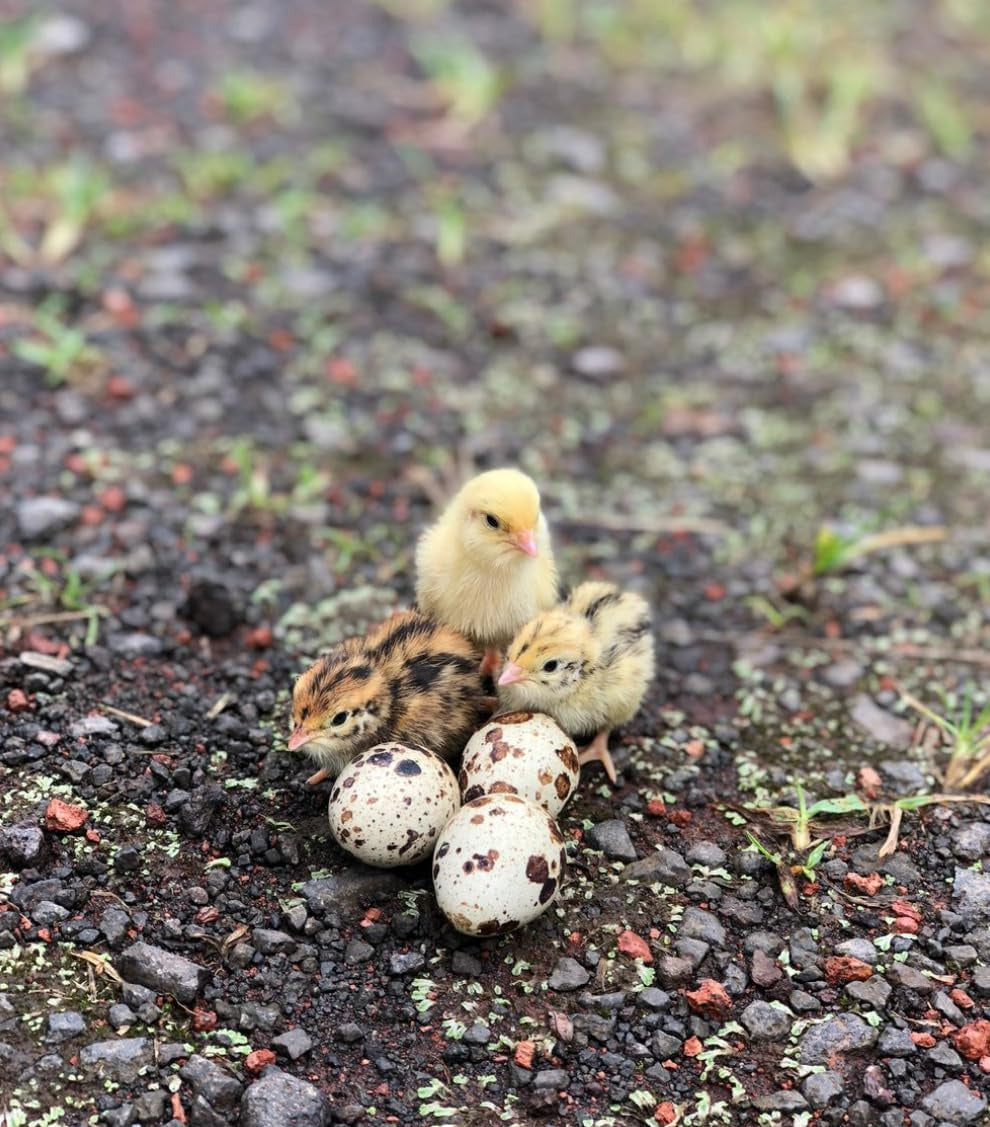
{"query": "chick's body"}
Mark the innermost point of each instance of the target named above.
(486, 566)
(587, 663)
(409, 680)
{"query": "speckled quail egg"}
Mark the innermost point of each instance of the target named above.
(390, 802)
(498, 864)
(524, 753)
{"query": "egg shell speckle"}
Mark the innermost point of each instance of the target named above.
(498, 864)
(524, 753)
(389, 804)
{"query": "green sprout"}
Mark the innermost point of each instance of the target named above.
(16, 39)
(247, 96)
(58, 347)
(462, 77)
(968, 733)
(834, 551)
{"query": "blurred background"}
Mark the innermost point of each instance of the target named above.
(715, 273)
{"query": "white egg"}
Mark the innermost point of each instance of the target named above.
(389, 804)
(524, 753)
(498, 864)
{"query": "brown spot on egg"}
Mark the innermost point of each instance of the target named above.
(348, 782)
(486, 861)
(436, 871)
(568, 756)
(408, 768)
(462, 779)
(499, 751)
(501, 787)
(494, 736)
(472, 793)
(545, 776)
(493, 927)
(468, 866)
(347, 815)
(477, 819)
(548, 889)
(381, 758)
(536, 869)
(412, 836)
(514, 717)
(555, 835)
(444, 849)
(562, 785)
(335, 795)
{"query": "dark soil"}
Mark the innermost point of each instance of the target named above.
(270, 262)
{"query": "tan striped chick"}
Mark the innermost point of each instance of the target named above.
(586, 663)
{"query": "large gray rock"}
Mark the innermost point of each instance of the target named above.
(883, 726)
(666, 866)
(613, 839)
(953, 1102)
(162, 971)
(568, 974)
(21, 844)
(348, 889)
(281, 1100)
(971, 895)
(121, 1058)
(766, 1022)
(214, 1084)
(838, 1034)
(38, 517)
(821, 1088)
(699, 924)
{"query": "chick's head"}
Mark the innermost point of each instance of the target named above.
(548, 658)
(338, 708)
(499, 512)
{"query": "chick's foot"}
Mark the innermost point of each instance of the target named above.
(597, 752)
(323, 773)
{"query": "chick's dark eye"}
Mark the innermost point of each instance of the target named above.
(339, 719)
(549, 666)
(491, 521)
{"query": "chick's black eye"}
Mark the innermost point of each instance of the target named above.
(339, 719)
(549, 666)
(491, 521)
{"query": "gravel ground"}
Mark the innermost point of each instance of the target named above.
(259, 264)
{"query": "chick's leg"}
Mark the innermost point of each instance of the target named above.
(597, 752)
(323, 773)
(491, 662)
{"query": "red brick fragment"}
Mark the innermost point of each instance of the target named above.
(711, 998)
(636, 948)
(973, 1040)
(840, 969)
(63, 816)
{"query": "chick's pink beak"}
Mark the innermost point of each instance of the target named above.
(526, 542)
(511, 674)
(299, 737)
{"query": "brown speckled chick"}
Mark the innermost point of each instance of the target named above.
(410, 680)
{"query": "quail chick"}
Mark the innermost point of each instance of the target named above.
(410, 679)
(486, 567)
(587, 663)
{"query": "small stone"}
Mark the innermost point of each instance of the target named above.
(46, 913)
(613, 839)
(909, 978)
(963, 955)
(162, 971)
(598, 362)
(784, 1100)
(861, 949)
(980, 982)
(699, 924)
(120, 1015)
(803, 1002)
(946, 1057)
(211, 607)
(567, 975)
(971, 841)
(271, 942)
(347, 890)
(21, 845)
(350, 1032)
(666, 866)
(883, 726)
(38, 517)
(122, 1058)
(673, 970)
(664, 1046)
(895, 1042)
(357, 951)
(839, 1033)
(465, 963)
(478, 1034)
(215, 1084)
(953, 1102)
(706, 853)
(767, 1022)
(64, 1026)
(971, 895)
(281, 1100)
(822, 1088)
(293, 1043)
(406, 963)
(653, 998)
(764, 971)
(873, 992)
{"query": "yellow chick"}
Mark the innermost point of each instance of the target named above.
(486, 566)
(409, 679)
(586, 663)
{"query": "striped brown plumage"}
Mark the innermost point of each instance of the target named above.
(410, 679)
